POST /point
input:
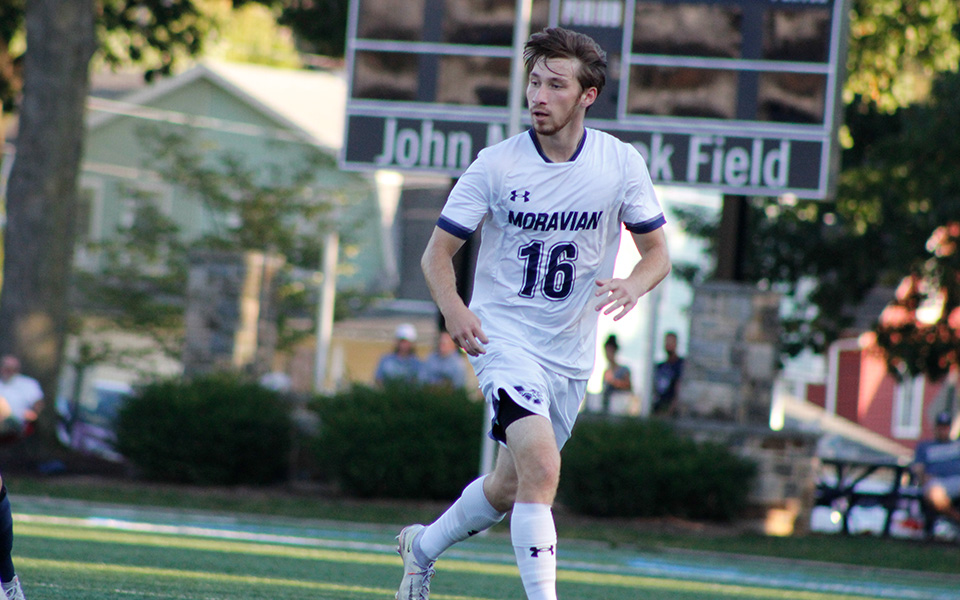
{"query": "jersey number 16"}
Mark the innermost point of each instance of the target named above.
(560, 269)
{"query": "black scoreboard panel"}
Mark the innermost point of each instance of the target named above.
(681, 55)
(759, 78)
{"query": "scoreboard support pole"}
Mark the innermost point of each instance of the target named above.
(732, 238)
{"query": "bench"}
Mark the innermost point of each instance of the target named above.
(846, 489)
(893, 488)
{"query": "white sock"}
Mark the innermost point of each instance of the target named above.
(534, 537)
(469, 515)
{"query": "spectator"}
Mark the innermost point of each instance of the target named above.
(616, 377)
(402, 364)
(666, 378)
(936, 464)
(21, 397)
(444, 366)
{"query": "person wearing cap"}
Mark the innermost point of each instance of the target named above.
(401, 365)
(937, 466)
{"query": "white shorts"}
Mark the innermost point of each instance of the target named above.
(532, 387)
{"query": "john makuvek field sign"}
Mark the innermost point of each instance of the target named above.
(739, 96)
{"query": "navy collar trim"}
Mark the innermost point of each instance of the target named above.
(576, 153)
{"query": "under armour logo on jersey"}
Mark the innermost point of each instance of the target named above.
(535, 552)
(516, 194)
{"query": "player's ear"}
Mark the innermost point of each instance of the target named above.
(588, 97)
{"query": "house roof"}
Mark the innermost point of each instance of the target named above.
(312, 104)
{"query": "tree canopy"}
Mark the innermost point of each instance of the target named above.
(899, 183)
(896, 48)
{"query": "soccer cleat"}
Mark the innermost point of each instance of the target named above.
(12, 590)
(415, 584)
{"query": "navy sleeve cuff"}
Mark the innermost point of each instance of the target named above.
(647, 226)
(453, 228)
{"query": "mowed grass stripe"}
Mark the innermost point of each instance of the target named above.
(85, 569)
(390, 560)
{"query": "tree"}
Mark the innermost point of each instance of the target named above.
(896, 48)
(923, 170)
(41, 205)
(61, 38)
(920, 331)
(321, 25)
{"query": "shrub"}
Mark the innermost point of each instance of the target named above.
(210, 430)
(404, 441)
(638, 468)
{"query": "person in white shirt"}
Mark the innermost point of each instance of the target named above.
(552, 202)
(20, 397)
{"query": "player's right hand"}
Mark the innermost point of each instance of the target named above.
(464, 327)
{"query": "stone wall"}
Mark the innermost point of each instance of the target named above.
(781, 498)
(733, 354)
(726, 393)
(230, 317)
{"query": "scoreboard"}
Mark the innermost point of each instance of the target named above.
(740, 96)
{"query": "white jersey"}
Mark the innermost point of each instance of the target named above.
(21, 393)
(551, 230)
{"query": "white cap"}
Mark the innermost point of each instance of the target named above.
(406, 331)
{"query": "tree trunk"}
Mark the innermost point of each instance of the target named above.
(42, 191)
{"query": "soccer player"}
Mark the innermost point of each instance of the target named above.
(552, 201)
(9, 582)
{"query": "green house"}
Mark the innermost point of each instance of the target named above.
(266, 117)
(269, 118)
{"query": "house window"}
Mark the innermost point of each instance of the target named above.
(908, 407)
(87, 223)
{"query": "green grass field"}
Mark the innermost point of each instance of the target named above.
(76, 551)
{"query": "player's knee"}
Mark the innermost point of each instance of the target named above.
(501, 492)
(541, 471)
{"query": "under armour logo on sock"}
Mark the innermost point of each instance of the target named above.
(535, 552)
(472, 533)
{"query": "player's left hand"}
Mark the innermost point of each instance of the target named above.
(617, 294)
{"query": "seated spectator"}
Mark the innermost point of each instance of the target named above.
(402, 364)
(444, 367)
(20, 398)
(937, 466)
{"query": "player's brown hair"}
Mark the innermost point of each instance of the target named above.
(557, 42)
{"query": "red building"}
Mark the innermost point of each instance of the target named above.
(924, 320)
(859, 388)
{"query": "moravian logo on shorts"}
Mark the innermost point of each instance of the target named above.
(567, 220)
(531, 395)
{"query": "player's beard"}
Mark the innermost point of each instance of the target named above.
(551, 126)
